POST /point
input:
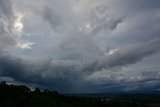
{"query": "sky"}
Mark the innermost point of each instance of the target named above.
(78, 46)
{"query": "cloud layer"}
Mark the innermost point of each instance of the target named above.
(82, 45)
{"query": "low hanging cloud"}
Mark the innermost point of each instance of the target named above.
(82, 45)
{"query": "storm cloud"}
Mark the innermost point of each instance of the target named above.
(82, 45)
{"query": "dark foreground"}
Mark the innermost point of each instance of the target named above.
(22, 96)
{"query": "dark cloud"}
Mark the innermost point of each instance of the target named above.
(57, 75)
(81, 46)
(67, 73)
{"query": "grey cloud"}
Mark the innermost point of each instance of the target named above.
(53, 18)
(125, 56)
(72, 41)
(103, 19)
(6, 8)
(143, 75)
(56, 71)
(7, 38)
(133, 7)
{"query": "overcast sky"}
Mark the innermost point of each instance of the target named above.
(81, 45)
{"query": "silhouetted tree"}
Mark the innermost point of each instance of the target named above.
(21, 96)
(55, 92)
(3, 82)
(37, 90)
(47, 92)
(24, 88)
